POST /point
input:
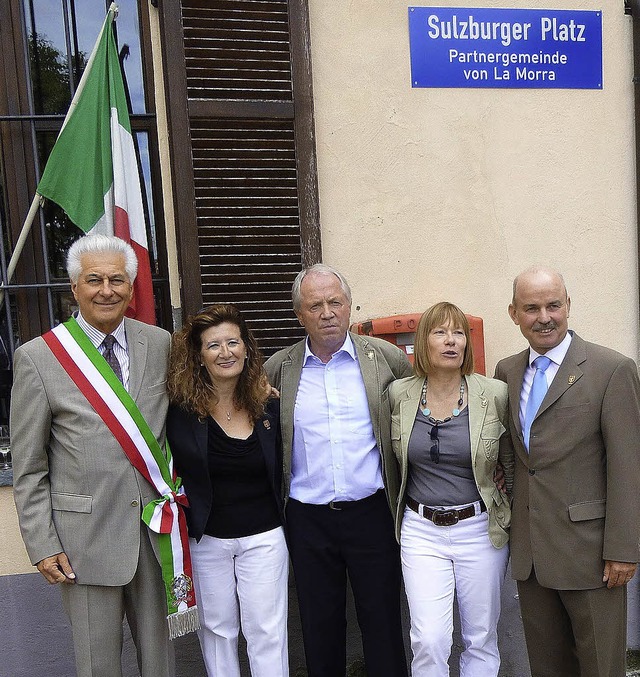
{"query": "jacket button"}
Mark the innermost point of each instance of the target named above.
(134, 504)
(532, 472)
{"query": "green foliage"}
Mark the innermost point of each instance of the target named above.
(50, 75)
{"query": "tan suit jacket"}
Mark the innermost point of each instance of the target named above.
(576, 494)
(75, 490)
(488, 420)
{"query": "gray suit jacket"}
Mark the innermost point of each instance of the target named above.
(75, 490)
(380, 363)
(576, 494)
(488, 420)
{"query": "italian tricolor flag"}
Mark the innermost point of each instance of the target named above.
(92, 171)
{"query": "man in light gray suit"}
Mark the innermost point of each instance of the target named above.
(79, 499)
(575, 525)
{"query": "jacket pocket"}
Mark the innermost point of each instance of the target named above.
(71, 502)
(157, 389)
(588, 510)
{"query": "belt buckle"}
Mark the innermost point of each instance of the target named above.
(332, 505)
(445, 518)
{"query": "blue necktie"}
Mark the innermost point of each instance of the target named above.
(539, 389)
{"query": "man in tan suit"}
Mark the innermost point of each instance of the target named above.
(79, 498)
(575, 523)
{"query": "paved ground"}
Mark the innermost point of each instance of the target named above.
(36, 639)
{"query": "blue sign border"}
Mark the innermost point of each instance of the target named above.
(505, 48)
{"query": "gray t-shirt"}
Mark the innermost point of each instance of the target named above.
(450, 481)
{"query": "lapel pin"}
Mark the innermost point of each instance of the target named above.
(370, 354)
(571, 379)
(266, 424)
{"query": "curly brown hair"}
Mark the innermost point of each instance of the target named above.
(189, 385)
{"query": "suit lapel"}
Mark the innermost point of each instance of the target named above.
(266, 432)
(137, 349)
(368, 362)
(408, 410)
(290, 372)
(568, 374)
(200, 430)
(514, 381)
(477, 403)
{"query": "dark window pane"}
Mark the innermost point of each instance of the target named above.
(64, 304)
(48, 60)
(58, 57)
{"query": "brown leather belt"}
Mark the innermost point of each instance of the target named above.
(444, 517)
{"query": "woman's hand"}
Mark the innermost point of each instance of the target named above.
(498, 478)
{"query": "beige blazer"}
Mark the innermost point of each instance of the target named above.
(488, 421)
(576, 494)
(75, 490)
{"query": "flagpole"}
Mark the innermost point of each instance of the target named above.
(37, 198)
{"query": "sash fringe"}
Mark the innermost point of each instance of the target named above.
(183, 622)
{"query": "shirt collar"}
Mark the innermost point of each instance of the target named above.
(347, 347)
(97, 337)
(557, 354)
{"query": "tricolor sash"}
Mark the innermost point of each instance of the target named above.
(165, 515)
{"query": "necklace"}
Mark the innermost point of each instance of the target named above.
(427, 412)
(228, 415)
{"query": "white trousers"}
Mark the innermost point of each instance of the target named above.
(243, 581)
(436, 561)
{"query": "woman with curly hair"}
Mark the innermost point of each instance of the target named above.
(225, 438)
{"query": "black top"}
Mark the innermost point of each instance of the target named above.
(188, 436)
(243, 503)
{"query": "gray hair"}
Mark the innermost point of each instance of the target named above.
(319, 269)
(537, 269)
(96, 243)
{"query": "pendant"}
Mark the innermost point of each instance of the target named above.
(456, 412)
(426, 411)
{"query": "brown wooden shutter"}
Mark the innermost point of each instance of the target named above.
(243, 155)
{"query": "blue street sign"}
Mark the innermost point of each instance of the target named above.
(508, 48)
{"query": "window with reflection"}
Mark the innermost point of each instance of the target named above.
(45, 49)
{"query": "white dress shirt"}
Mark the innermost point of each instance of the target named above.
(556, 355)
(335, 455)
(119, 347)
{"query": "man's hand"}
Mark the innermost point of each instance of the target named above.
(498, 478)
(618, 573)
(56, 569)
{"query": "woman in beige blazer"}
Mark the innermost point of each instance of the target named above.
(451, 520)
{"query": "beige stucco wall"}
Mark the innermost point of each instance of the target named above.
(432, 194)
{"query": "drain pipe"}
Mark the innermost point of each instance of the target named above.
(632, 8)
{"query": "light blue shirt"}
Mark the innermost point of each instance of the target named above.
(556, 355)
(335, 455)
(119, 347)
